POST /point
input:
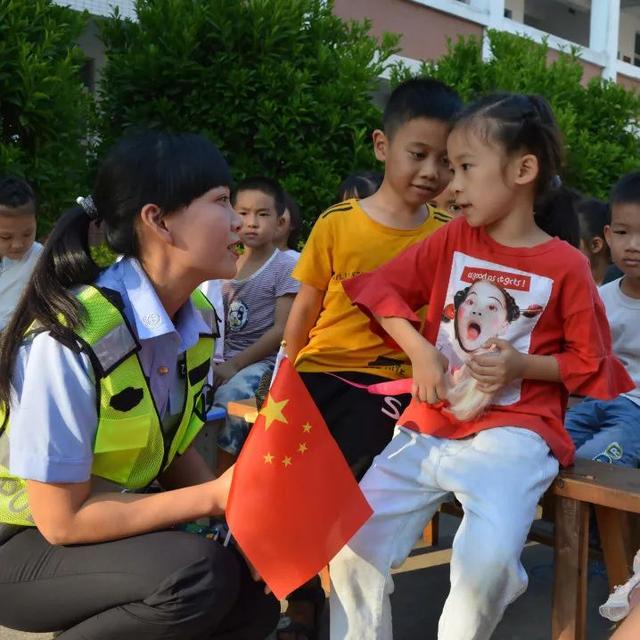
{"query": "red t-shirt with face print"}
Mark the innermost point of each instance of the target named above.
(541, 299)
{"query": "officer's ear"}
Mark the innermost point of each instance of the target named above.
(152, 221)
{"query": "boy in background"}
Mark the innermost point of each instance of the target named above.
(18, 249)
(288, 234)
(256, 306)
(359, 185)
(326, 335)
(609, 430)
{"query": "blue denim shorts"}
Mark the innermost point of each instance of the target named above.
(243, 385)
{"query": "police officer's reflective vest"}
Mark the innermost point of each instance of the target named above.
(131, 445)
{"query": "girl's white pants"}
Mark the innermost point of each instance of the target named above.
(498, 475)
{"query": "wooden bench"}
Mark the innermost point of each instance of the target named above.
(614, 492)
(245, 409)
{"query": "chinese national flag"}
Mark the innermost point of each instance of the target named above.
(294, 501)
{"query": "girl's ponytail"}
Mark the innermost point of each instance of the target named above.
(64, 263)
(556, 214)
(555, 206)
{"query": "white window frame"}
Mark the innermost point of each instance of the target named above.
(603, 36)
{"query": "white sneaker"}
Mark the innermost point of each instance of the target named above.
(624, 597)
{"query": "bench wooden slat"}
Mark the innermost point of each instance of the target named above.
(245, 409)
(608, 485)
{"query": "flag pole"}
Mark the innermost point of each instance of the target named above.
(281, 355)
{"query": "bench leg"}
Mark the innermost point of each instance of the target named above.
(613, 526)
(571, 549)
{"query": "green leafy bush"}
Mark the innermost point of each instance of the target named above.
(44, 109)
(599, 120)
(282, 86)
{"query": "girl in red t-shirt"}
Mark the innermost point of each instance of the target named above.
(512, 308)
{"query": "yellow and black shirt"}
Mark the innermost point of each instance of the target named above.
(344, 243)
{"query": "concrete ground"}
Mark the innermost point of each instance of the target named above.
(422, 584)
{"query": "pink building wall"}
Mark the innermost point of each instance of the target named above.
(629, 83)
(424, 30)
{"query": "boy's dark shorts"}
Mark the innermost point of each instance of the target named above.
(361, 423)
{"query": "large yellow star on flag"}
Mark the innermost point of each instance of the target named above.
(273, 411)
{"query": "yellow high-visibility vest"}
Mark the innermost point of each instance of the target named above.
(131, 447)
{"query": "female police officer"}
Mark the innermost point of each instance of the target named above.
(101, 383)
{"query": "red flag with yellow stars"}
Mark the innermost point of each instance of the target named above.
(294, 502)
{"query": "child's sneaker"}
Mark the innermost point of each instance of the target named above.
(624, 597)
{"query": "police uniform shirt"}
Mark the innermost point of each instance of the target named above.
(213, 290)
(53, 408)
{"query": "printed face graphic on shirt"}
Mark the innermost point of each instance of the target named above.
(483, 310)
(487, 300)
(238, 315)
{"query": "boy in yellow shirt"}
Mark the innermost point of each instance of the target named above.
(326, 335)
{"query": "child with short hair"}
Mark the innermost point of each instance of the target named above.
(329, 338)
(446, 201)
(18, 250)
(609, 430)
(593, 215)
(325, 333)
(359, 185)
(518, 308)
(256, 306)
(288, 234)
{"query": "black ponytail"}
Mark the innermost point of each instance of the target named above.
(169, 170)
(64, 262)
(556, 213)
(519, 122)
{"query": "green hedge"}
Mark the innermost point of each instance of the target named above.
(45, 112)
(599, 119)
(282, 86)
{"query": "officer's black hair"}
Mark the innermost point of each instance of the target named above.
(169, 170)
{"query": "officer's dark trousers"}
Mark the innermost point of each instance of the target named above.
(162, 586)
